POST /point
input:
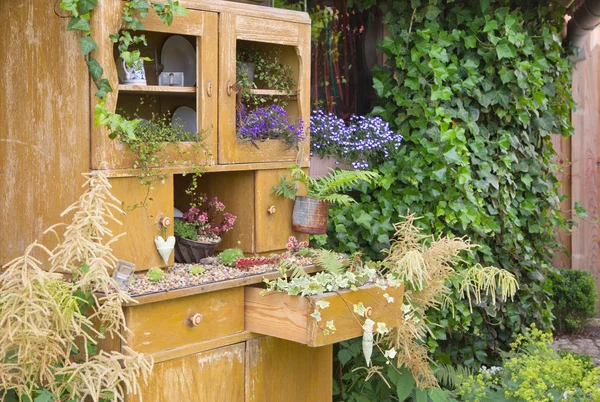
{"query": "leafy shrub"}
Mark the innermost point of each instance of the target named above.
(187, 230)
(475, 88)
(575, 298)
(533, 371)
(229, 256)
(155, 274)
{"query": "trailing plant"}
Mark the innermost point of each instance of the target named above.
(268, 123)
(327, 188)
(269, 73)
(81, 12)
(161, 142)
(575, 298)
(533, 371)
(294, 246)
(363, 143)
(155, 274)
(476, 89)
(230, 256)
(53, 314)
(206, 220)
(197, 270)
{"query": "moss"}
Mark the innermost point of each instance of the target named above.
(228, 257)
(155, 274)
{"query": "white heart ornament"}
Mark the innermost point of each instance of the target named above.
(165, 248)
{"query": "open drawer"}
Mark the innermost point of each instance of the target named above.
(289, 317)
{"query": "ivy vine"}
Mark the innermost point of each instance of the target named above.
(81, 15)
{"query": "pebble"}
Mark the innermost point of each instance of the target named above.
(208, 261)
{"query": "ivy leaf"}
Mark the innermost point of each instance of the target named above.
(580, 211)
(95, 69)
(364, 219)
(103, 88)
(378, 86)
(452, 156)
(505, 50)
(490, 26)
(79, 24)
(85, 6)
(87, 45)
(43, 395)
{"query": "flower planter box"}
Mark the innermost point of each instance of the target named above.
(288, 317)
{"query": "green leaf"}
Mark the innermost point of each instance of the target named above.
(580, 211)
(344, 356)
(378, 86)
(103, 88)
(43, 395)
(79, 24)
(438, 395)
(95, 70)
(490, 26)
(421, 395)
(404, 381)
(86, 6)
(505, 50)
(87, 45)
(452, 156)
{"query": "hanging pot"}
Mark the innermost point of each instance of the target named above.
(310, 215)
(189, 251)
(165, 247)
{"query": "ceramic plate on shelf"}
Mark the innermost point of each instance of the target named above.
(178, 55)
(185, 116)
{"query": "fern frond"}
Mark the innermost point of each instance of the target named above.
(342, 200)
(291, 269)
(330, 261)
(300, 176)
(286, 189)
(451, 377)
(340, 180)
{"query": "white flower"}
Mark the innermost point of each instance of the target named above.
(390, 354)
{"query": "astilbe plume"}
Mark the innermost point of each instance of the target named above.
(43, 318)
(427, 265)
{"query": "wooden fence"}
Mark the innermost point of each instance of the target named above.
(579, 158)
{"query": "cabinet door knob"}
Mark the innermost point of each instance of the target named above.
(166, 221)
(232, 87)
(271, 210)
(195, 320)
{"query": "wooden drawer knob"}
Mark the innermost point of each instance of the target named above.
(166, 221)
(195, 320)
(271, 210)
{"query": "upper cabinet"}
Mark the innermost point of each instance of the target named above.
(205, 45)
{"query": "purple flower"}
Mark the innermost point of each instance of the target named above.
(267, 123)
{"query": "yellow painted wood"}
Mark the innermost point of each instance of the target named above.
(273, 230)
(208, 83)
(248, 10)
(156, 89)
(212, 376)
(279, 370)
(44, 123)
(140, 225)
(159, 327)
(288, 317)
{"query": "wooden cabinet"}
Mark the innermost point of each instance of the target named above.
(211, 376)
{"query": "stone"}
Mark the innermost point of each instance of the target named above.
(208, 261)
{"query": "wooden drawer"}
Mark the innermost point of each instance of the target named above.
(288, 317)
(165, 325)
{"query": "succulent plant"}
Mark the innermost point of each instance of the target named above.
(197, 270)
(155, 274)
(244, 263)
(229, 256)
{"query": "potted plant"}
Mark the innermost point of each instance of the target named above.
(268, 123)
(310, 211)
(199, 232)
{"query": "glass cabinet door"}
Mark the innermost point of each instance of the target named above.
(271, 41)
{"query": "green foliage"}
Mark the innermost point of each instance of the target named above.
(81, 13)
(197, 270)
(186, 230)
(269, 73)
(476, 89)
(575, 298)
(228, 257)
(327, 188)
(533, 371)
(155, 274)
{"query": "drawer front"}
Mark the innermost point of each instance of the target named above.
(168, 324)
(273, 225)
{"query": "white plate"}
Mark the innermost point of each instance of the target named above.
(178, 55)
(186, 117)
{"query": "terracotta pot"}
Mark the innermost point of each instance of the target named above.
(189, 251)
(310, 215)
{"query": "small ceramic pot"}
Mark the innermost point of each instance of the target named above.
(134, 75)
(248, 70)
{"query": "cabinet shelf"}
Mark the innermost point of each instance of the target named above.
(273, 92)
(156, 90)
